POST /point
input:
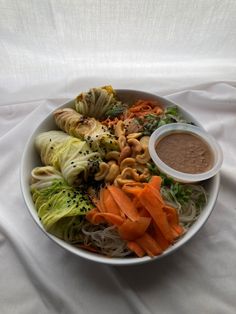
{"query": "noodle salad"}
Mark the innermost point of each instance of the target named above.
(98, 188)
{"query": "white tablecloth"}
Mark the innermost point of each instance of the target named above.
(52, 50)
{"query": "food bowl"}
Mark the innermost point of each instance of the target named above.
(31, 159)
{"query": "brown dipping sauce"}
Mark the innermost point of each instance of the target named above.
(185, 152)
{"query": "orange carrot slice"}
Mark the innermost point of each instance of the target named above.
(131, 230)
(133, 246)
(155, 182)
(149, 245)
(92, 217)
(172, 215)
(160, 239)
(154, 206)
(110, 218)
(124, 202)
(108, 202)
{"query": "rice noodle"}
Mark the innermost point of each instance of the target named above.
(188, 211)
(105, 239)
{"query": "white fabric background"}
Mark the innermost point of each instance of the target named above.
(52, 50)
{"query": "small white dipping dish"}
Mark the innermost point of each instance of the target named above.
(172, 128)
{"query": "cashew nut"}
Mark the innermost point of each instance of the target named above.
(126, 152)
(122, 142)
(127, 162)
(133, 135)
(144, 141)
(143, 158)
(113, 172)
(113, 155)
(129, 173)
(120, 129)
(103, 171)
(135, 145)
(120, 181)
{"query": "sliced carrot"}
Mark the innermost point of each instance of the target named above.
(108, 202)
(173, 219)
(143, 212)
(178, 229)
(92, 217)
(109, 218)
(124, 202)
(154, 206)
(133, 246)
(155, 182)
(98, 205)
(149, 245)
(133, 188)
(172, 214)
(156, 192)
(160, 239)
(131, 230)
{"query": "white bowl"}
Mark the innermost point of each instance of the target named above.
(31, 159)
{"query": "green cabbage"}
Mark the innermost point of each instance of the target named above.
(61, 208)
(89, 129)
(72, 156)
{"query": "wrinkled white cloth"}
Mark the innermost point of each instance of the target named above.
(37, 276)
(51, 51)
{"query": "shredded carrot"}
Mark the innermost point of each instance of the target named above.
(110, 122)
(142, 108)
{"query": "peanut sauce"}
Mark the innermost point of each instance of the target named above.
(185, 152)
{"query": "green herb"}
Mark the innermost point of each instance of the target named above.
(151, 122)
(115, 111)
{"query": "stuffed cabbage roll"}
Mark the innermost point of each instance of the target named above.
(99, 103)
(60, 207)
(89, 129)
(70, 155)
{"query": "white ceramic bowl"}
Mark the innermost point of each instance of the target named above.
(31, 159)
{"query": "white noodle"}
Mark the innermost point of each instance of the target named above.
(105, 239)
(188, 212)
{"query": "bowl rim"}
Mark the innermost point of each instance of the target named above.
(24, 183)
